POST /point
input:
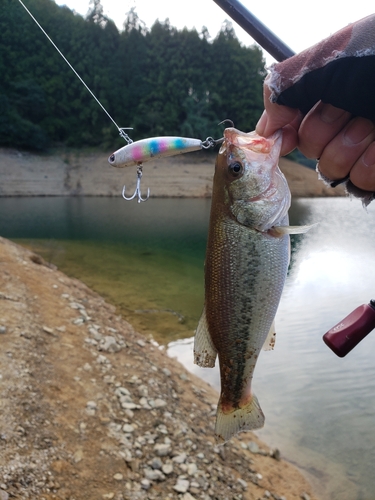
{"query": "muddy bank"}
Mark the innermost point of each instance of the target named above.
(90, 409)
(89, 174)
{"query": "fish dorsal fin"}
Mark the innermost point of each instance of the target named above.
(204, 350)
(281, 230)
(269, 343)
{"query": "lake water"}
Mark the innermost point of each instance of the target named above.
(148, 259)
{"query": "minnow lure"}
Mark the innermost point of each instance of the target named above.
(144, 150)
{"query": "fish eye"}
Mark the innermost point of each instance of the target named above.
(112, 158)
(235, 168)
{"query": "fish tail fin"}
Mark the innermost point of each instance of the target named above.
(241, 419)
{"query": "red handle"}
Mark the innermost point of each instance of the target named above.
(344, 336)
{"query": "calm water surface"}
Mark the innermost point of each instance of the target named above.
(148, 259)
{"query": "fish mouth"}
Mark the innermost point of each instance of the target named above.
(112, 158)
(248, 141)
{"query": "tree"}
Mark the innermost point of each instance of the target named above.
(161, 81)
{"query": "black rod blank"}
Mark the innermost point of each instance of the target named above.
(257, 30)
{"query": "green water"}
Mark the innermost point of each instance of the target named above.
(150, 267)
(155, 291)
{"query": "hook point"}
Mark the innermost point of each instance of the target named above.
(227, 120)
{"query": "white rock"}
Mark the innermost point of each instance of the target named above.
(192, 469)
(118, 477)
(76, 305)
(242, 483)
(253, 447)
(125, 399)
(128, 428)
(95, 334)
(145, 484)
(78, 456)
(143, 391)
(167, 469)
(187, 496)
(159, 403)
(141, 343)
(154, 475)
(129, 406)
(102, 360)
(162, 450)
(122, 391)
(181, 486)
(144, 403)
(109, 344)
(180, 459)
(156, 463)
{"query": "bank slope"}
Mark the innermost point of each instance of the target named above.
(90, 409)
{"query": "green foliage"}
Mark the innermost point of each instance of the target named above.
(161, 81)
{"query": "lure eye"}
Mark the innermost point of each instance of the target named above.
(235, 169)
(112, 158)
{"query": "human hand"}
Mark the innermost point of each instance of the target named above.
(345, 145)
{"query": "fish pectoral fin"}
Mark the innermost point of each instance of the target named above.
(204, 350)
(241, 419)
(281, 230)
(269, 343)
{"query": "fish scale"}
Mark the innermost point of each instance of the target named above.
(243, 290)
(247, 260)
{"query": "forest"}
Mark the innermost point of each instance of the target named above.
(158, 80)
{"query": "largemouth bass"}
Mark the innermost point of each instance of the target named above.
(246, 264)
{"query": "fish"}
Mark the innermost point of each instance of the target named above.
(154, 147)
(247, 258)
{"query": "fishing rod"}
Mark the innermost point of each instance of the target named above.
(256, 29)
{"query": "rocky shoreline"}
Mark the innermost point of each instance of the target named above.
(91, 409)
(83, 173)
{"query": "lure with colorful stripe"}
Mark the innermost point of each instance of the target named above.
(155, 147)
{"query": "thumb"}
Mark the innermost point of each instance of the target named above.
(275, 116)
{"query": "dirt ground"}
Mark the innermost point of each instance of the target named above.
(90, 409)
(82, 173)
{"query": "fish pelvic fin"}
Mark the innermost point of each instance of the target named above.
(204, 350)
(240, 419)
(269, 343)
(282, 230)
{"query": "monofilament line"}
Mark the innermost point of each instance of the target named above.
(71, 67)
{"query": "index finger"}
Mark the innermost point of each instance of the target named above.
(275, 116)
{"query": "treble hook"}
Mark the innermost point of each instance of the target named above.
(137, 191)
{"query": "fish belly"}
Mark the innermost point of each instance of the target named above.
(245, 275)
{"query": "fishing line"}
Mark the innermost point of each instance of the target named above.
(122, 133)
